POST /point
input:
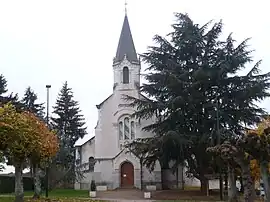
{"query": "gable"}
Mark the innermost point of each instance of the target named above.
(102, 103)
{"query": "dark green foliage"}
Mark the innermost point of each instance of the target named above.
(8, 98)
(7, 184)
(3, 84)
(193, 73)
(93, 185)
(2, 160)
(29, 102)
(14, 99)
(70, 126)
(67, 120)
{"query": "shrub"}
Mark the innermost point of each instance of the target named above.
(93, 185)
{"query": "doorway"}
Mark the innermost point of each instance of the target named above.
(127, 175)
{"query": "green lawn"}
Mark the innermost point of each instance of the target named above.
(66, 195)
(11, 199)
(58, 193)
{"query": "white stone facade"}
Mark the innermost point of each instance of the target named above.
(107, 145)
(115, 128)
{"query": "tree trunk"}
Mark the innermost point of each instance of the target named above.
(249, 191)
(241, 184)
(177, 177)
(37, 181)
(164, 181)
(205, 186)
(141, 173)
(183, 177)
(232, 191)
(226, 180)
(18, 183)
(265, 178)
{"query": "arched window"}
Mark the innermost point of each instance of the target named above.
(132, 130)
(91, 162)
(126, 129)
(125, 75)
(120, 127)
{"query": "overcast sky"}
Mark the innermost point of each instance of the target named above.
(53, 41)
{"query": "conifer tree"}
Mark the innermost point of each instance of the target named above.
(70, 126)
(14, 99)
(29, 102)
(197, 95)
(3, 84)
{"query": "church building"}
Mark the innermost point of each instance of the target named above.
(103, 158)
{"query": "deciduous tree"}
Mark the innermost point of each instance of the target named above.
(30, 104)
(257, 144)
(230, 152)
(43, 153)
(23, 136)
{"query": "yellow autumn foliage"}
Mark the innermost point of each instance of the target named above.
(254, 165)
(255, 169)
(265, 123)
(24, 135)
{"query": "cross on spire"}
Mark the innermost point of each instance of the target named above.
(126, 46)
(125, 7)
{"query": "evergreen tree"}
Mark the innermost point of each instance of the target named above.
(29, 102)
(3, 84)
(70, 126)
(14, 99)
(197, 95)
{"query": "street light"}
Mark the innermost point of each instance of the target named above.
(47, 120)
(218, 143)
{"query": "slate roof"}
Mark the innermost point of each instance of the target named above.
(126, 44)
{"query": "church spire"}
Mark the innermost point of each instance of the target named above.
(126, 46)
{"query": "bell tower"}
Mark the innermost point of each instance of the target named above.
(126, 65)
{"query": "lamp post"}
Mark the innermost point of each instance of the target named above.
(47, 120)
(218, 143)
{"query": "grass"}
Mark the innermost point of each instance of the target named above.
(11, 199)
(57, 193)
(67, 195)
(61, 195)
(192, 188)
(70, 195)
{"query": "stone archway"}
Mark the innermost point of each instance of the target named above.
(127, 175)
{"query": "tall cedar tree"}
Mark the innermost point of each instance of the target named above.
(193, 84)
(70, 126)
(29, 102)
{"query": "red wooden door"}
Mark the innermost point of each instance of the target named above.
(127, 175)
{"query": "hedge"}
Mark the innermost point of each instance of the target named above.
(7, 184)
